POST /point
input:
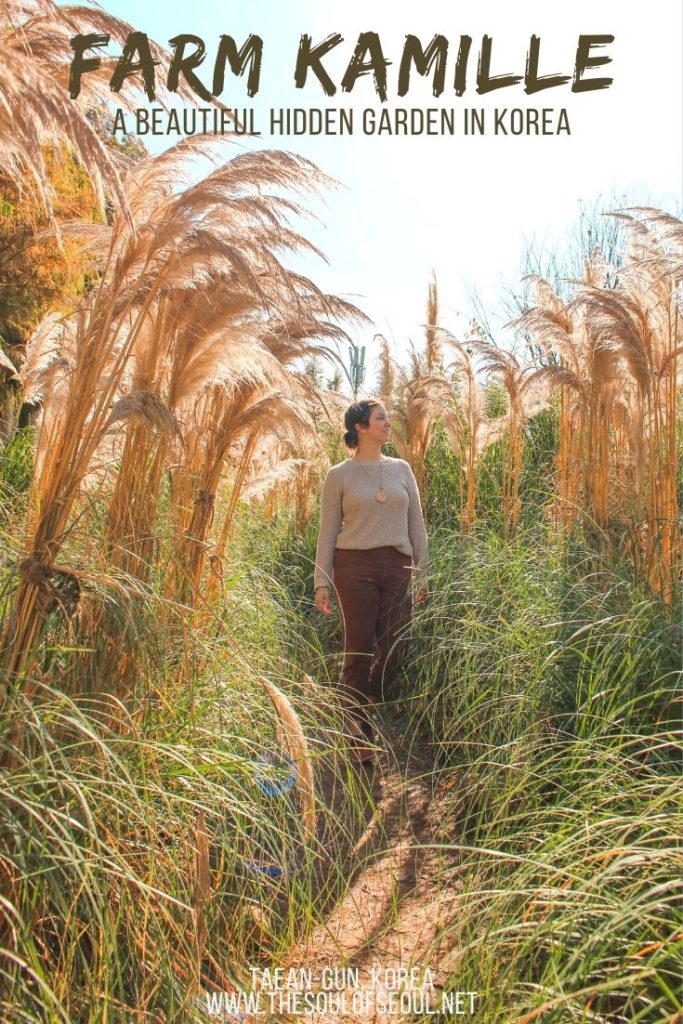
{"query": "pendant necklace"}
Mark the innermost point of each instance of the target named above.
(380, 493)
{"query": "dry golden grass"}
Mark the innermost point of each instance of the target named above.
(611, 355)
(417, 396)
(522, 402)
(614, 359)
(38, 113)
(294, 738)
(183, 349)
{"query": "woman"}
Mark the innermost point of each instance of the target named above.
(371, 526)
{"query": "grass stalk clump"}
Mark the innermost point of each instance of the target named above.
(550, 704)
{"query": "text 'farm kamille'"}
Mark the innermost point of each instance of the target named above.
(439, 58)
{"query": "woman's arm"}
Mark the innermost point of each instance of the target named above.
(330, 525)
(416, 531)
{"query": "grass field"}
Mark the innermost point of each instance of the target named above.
(178, 797)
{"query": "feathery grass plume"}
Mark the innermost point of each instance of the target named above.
(615, 359)
(280, 402)
(466, 430)
(251, 480)
(38, 112)
(386, 381)
(521, 400)
(225, 419)
(9, 366)
(433, 352)
(289, 474)
(652, 342)
(423, 399)
(197, 334)
(611, 328)
(283, 472)
(306, 481)
(558, 332)
(591, 375)
(452, 394)
(297, 745)
(146, 407)
(416, 397)
(35, 60)
(34, 54)
(233, 323)
(265, 478)
(211, 232)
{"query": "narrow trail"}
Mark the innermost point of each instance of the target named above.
(402, 895)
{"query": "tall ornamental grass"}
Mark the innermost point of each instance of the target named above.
(146, 856)
(548, 688)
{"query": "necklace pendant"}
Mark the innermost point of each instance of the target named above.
(380, 495)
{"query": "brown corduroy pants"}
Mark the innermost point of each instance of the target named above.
(373, 588)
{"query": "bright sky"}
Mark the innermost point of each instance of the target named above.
(460, 206)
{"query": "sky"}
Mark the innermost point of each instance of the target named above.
(461, 207)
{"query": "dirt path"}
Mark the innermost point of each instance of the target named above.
(402, 894)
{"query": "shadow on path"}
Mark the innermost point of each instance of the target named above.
(388, 899)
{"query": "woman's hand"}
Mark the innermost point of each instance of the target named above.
(422, 595)
(322, 600)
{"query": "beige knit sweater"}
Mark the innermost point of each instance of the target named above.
(350, 517)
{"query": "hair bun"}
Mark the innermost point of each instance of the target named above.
(357, 413)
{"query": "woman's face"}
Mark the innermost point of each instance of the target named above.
(379, 425)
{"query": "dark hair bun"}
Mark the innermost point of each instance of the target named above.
(357, 412)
